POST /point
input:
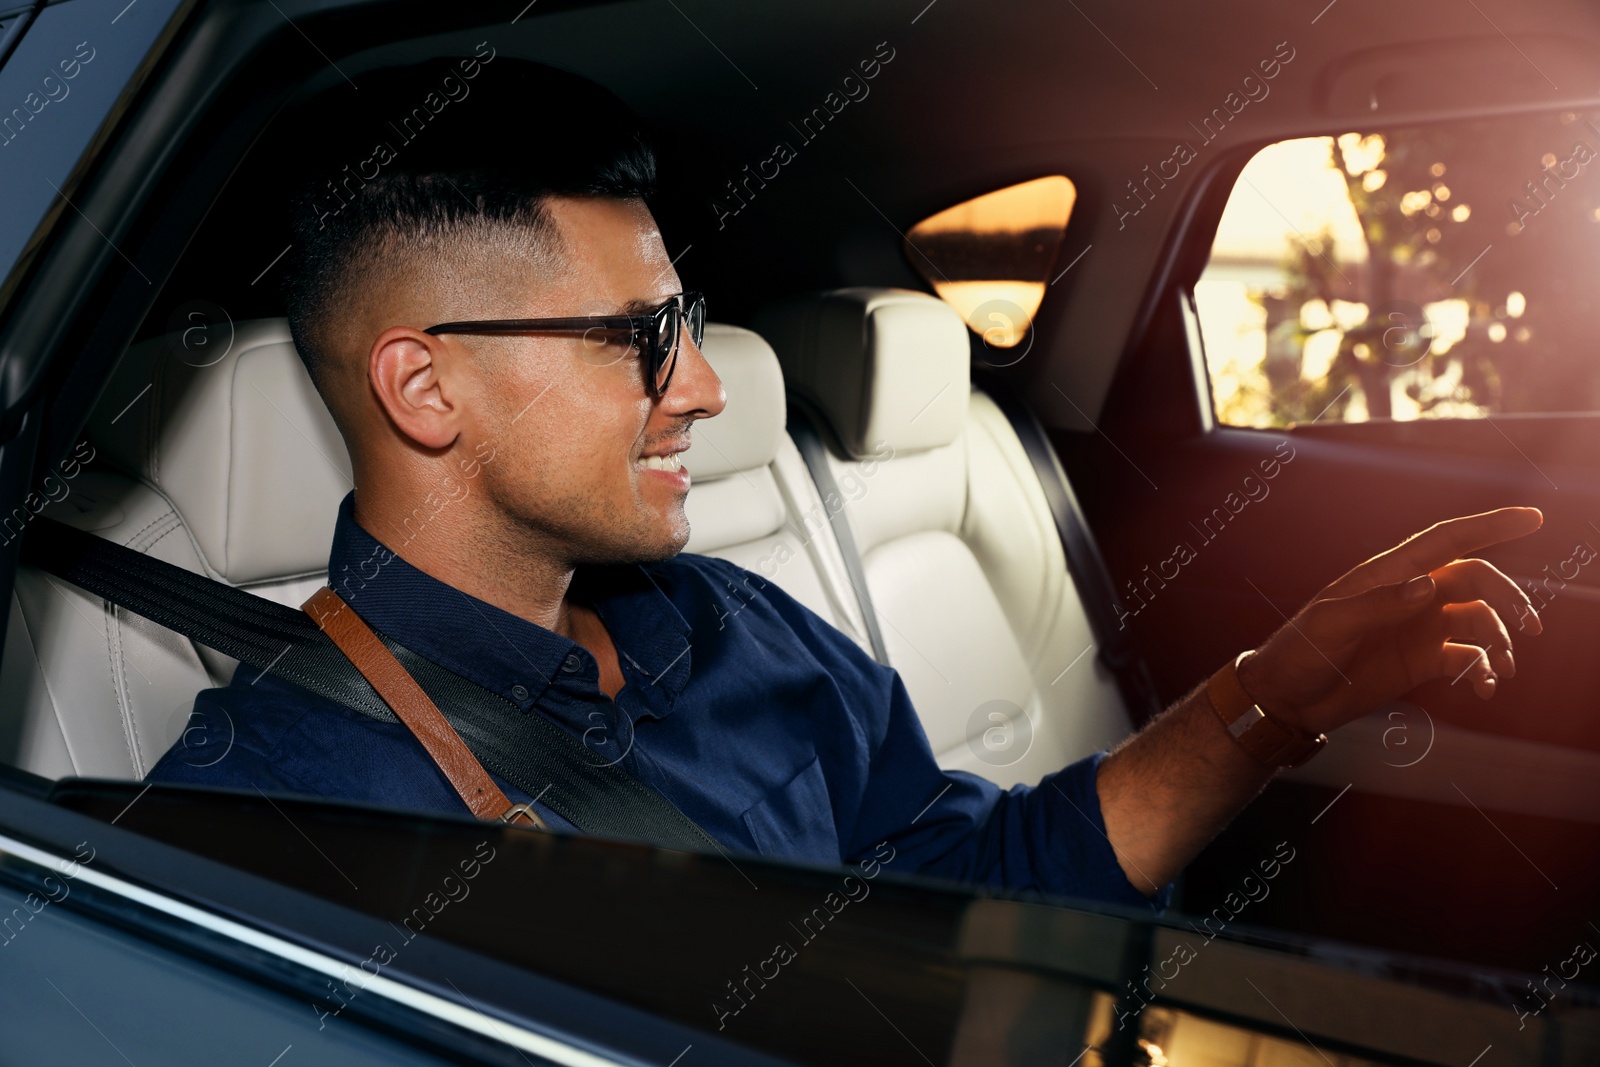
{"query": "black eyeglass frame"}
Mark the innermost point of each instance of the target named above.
(645, 332)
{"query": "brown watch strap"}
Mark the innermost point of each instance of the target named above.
(1266, 739)
(414, 708)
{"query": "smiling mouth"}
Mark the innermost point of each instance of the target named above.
(672, 463)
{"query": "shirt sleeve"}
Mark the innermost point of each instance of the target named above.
(1049, 837)
(218, 749)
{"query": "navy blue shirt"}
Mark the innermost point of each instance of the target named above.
(762, 722)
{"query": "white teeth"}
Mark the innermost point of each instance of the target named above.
(662, 463)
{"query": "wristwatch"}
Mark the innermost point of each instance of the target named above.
(1268, 740)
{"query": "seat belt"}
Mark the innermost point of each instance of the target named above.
(1117, 649)
(803, 430)
(526, 749)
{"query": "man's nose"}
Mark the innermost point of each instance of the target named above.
(695, 389)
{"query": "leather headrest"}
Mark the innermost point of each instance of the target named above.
(881, 365)
(239, 442)
(745, 435)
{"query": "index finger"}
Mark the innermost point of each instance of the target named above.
(1444, 542)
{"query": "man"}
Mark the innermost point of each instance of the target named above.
(554, 576)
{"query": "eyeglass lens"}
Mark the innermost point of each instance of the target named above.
(666, 344)
(669, 326)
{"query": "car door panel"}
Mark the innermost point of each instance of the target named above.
(1333, 504)
(1426, 809)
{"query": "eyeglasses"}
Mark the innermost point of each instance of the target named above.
(654, 334)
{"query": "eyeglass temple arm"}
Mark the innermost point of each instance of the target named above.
(597, 322)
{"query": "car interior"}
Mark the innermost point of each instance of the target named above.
(233, 468)
(1045, 502)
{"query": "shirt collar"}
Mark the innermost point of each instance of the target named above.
(502, 652)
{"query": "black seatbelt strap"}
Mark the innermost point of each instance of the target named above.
(803, 430)
(526, 749)
(1114, 641)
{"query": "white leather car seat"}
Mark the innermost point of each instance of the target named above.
(751, 500)
(966, 572)
(230, 465)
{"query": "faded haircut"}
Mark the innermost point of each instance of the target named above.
(437, 169)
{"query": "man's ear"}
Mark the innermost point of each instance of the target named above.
(407, 370)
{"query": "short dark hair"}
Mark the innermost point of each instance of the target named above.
(443, 152)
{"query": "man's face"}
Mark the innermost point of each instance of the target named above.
(568, 419)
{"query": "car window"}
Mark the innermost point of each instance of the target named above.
(718, 949)
(1420, 272)
(60, 59)
(990, 257)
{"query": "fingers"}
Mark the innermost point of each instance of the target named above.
(1384, 605)
(1478, 624)
(1447, 541)
(1469, 664)
(1474, 579)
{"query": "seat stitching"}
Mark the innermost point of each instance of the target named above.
(132, 541)
(115, 646)
(161, 536)
(205, 564)
(119, 687)
(227, 480)
(55, 705)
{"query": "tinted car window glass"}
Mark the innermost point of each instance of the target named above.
(1427, 272)
(990, 257)
(62, 81)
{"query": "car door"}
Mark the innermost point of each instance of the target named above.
(1368, 332)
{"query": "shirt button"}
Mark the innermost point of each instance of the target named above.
(571, 663)
(520, 692)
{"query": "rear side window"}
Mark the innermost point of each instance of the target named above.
(1445, 271)
(991, 257)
